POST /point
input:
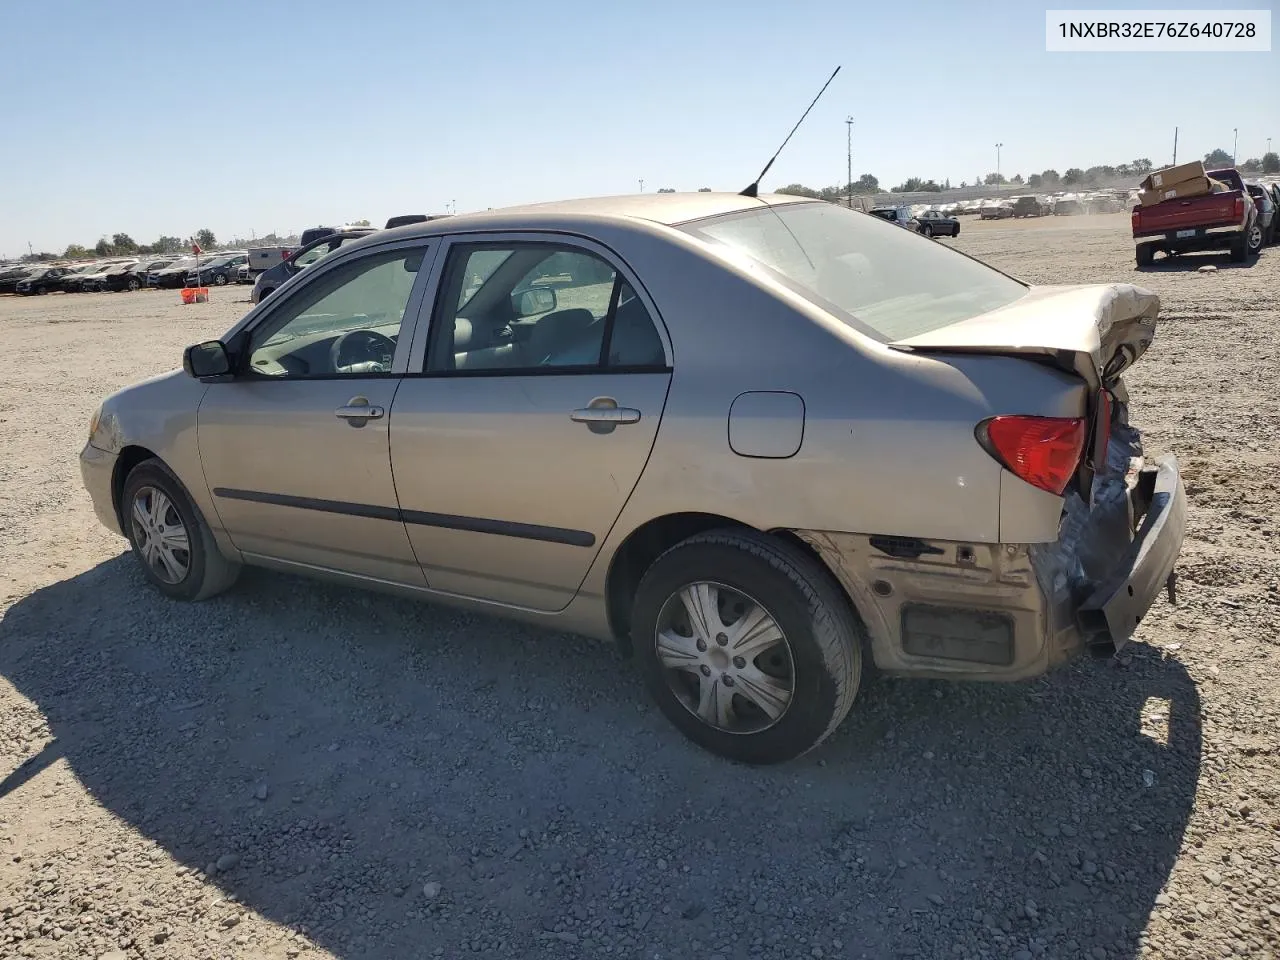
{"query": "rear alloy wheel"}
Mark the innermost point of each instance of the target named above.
(928, 231)
(172, 542)
(747, 644)
(220, 279)
(133, 285)
(1254, 242)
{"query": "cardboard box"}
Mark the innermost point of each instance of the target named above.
(1179, 191)
(1171, 176)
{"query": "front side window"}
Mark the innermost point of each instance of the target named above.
(888, 283)
(345, 323)
(538, 307)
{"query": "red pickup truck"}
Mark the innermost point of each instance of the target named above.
(1215, 221)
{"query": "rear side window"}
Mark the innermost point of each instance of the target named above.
(538, 308)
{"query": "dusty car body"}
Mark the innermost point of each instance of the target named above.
(754, 441)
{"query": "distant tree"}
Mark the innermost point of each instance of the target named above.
(75, 252)
(145, 250)
(1271, 162)
(1217, 158)
(799, 190)
(866, 184)
(1017, 178)
(964, 184)
(206, 239)
(1072, 177)
(947, 185)
(1034, 181)
(123, 243)
(360, 223)
(1252, 165)
(704, 189)
(102, 248)
(666, 190)
(1050, 178)
(991, 179)
(38, 257)
(1124, 170)
(168, 245)
(910, 185)
(1141, 167)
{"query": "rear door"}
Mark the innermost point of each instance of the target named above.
(516, 447)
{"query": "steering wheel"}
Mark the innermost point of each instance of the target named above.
(373, 352)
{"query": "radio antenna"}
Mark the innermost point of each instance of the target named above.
(754, 189)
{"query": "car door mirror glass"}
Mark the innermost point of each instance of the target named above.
(533, 301)
(208, 359)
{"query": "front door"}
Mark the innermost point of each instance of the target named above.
(295, 447)
(516, 451)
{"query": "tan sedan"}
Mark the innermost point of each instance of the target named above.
(755, 441)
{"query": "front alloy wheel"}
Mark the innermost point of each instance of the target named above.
(726, 659)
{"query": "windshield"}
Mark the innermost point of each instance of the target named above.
(887, 282)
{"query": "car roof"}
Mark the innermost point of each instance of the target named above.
(669, 209)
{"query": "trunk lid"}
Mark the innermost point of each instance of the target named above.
(1095, 331)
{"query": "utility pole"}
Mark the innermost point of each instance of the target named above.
(1175, 146)
(30, 252)
(1268, 144)
(999, 179)
(1235, 143)
(642, 185)
(848, 126)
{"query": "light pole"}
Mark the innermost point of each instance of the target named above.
(848, 127)
(1235, 143)
(642, 185)
(998, 180)
(1268, 144)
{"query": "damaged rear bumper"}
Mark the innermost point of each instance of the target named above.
(1113, 611)
(935, 608)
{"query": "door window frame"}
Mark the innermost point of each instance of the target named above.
(242, 333)
(430, 307)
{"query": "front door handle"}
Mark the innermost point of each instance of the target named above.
(603, 414)
(358, 411)
(611, 415)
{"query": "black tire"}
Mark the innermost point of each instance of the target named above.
(1239, 248)
(208, 571)
(134, 285)
(956, 231)
(821, 630)
(1146, 254)
(220, 279)
(266, 293)
(927, 230)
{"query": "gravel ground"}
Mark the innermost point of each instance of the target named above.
(295, 769)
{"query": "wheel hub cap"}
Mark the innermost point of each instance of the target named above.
(160, 535)
(725, 658)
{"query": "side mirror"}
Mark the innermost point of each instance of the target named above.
(535, 300)
(209, 359)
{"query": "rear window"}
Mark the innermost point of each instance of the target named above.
(887, 282)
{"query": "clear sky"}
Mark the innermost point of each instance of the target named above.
(275, 114)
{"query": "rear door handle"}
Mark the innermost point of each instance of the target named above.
(610, 415)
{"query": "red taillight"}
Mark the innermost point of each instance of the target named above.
(285, 255)
(1135, 219)
(1239, 208)
(1043, 451)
